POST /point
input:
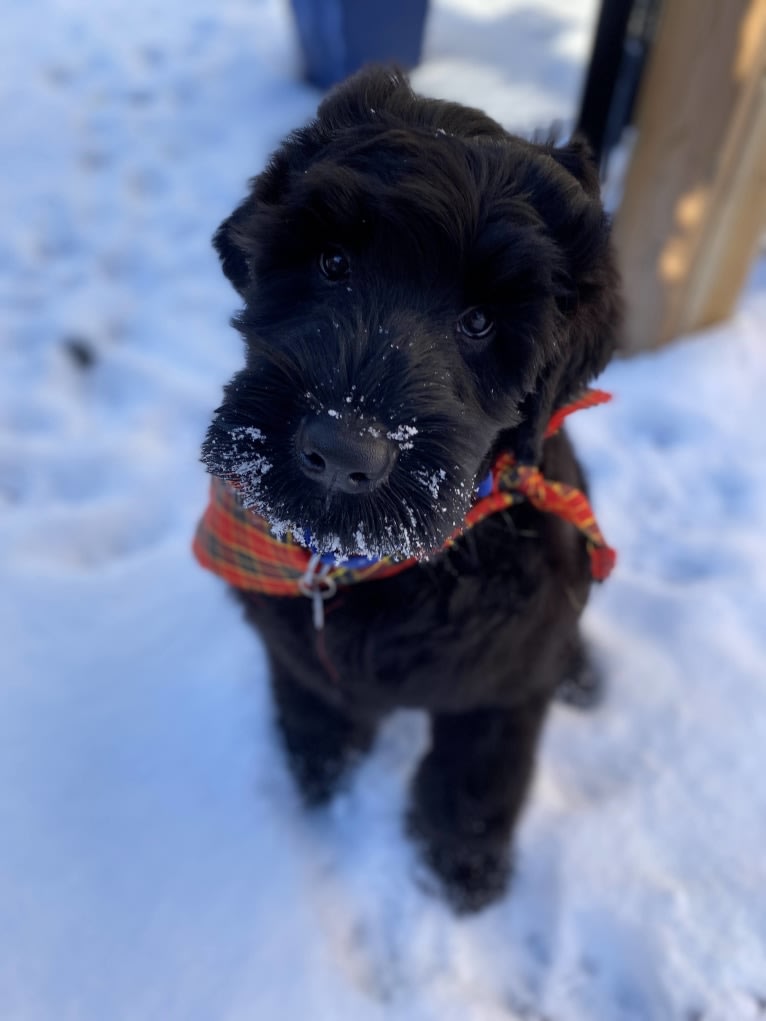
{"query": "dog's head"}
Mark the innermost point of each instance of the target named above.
(421, 289)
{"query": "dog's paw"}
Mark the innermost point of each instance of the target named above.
(470, 875)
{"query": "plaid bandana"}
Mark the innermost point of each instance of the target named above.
(239, 546)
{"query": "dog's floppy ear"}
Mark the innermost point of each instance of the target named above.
(590, 295)
(577, 158)
(228, 243)
(567, 196)
(358, 99)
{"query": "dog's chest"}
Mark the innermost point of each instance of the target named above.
(432, 645)
(441, 637)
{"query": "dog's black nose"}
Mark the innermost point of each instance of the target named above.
(352, 458)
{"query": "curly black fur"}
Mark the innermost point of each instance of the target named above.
(437, 210)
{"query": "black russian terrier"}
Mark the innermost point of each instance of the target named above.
(423, 292)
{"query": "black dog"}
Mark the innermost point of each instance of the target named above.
(422, 292)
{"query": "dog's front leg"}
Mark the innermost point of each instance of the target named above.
(467, 794)
(321, 740)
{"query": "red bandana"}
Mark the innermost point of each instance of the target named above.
(238, 545)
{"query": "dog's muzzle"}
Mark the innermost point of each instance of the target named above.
(349, 457)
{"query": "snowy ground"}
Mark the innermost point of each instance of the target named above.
(154, 863)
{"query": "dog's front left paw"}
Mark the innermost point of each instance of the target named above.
(471, 875)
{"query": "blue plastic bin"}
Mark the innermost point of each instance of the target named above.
(340, 36)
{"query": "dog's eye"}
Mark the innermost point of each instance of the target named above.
(475, 323)
(334, 264)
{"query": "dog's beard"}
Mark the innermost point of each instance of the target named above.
(412, 514)
(395, 386)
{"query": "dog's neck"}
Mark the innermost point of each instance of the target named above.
(239, 546)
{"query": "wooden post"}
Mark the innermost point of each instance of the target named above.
(694, 204)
